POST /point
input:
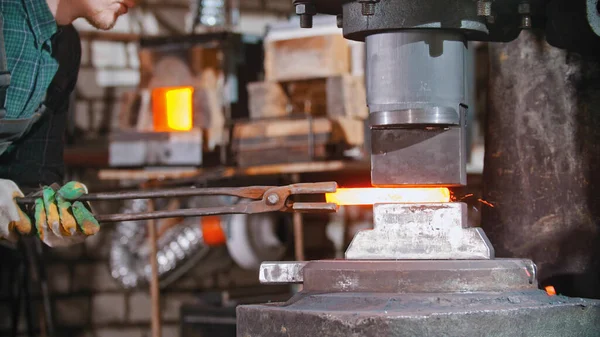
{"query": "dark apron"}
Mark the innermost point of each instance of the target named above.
(11, 129)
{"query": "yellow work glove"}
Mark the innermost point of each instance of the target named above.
(60, 220)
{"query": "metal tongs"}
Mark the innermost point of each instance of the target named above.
(267, 199)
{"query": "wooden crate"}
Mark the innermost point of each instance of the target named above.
(346, 97)
(267, 100)
(336, 96)
(308, 97)
(307, 57)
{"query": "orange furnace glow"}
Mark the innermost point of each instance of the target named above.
(370, 196)
(172, 109)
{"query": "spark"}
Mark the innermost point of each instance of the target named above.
(487, 203)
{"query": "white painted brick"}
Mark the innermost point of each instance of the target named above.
(118, 77)
(87, 84)
(140, 307)
(174, 17)
(73, 311)
(109, 54)
(132, 53)
(108, 308)
(148, 23)
(82, 115)
(59, 278)
(85, 55)
(93, 277)
(121, 332)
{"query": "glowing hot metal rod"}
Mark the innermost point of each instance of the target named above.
(371, 196)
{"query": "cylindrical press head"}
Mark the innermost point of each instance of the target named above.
(415, 77)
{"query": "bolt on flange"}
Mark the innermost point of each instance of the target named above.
(306, 11)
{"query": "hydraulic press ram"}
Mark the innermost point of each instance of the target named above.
(422, 271)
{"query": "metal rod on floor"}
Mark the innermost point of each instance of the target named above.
(298, 228)
(154, 287)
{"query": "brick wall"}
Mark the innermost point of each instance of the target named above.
(87, 301)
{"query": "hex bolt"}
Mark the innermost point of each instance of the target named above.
(306, 12)
(272, 199)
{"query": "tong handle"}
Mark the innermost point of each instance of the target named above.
(250, 192)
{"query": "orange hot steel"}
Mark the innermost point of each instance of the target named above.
(373, 195)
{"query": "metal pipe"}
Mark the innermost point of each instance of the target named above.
(154, 287)
(179, 248)
(298, 236)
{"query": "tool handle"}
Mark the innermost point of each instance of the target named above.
(251, 192)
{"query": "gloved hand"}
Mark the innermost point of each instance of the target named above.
(60, 220)
(12, 218)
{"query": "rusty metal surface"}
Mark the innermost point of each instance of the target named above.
(420, 231)
(523, 313)
(418, 276)
(542, 163)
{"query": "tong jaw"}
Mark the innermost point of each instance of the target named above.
(277, 198)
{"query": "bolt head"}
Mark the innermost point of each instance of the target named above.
(301, 9)
(272, 199)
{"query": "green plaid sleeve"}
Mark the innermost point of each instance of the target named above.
(28, 30)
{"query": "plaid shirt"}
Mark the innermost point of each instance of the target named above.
(28, 28)
(35, 48)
